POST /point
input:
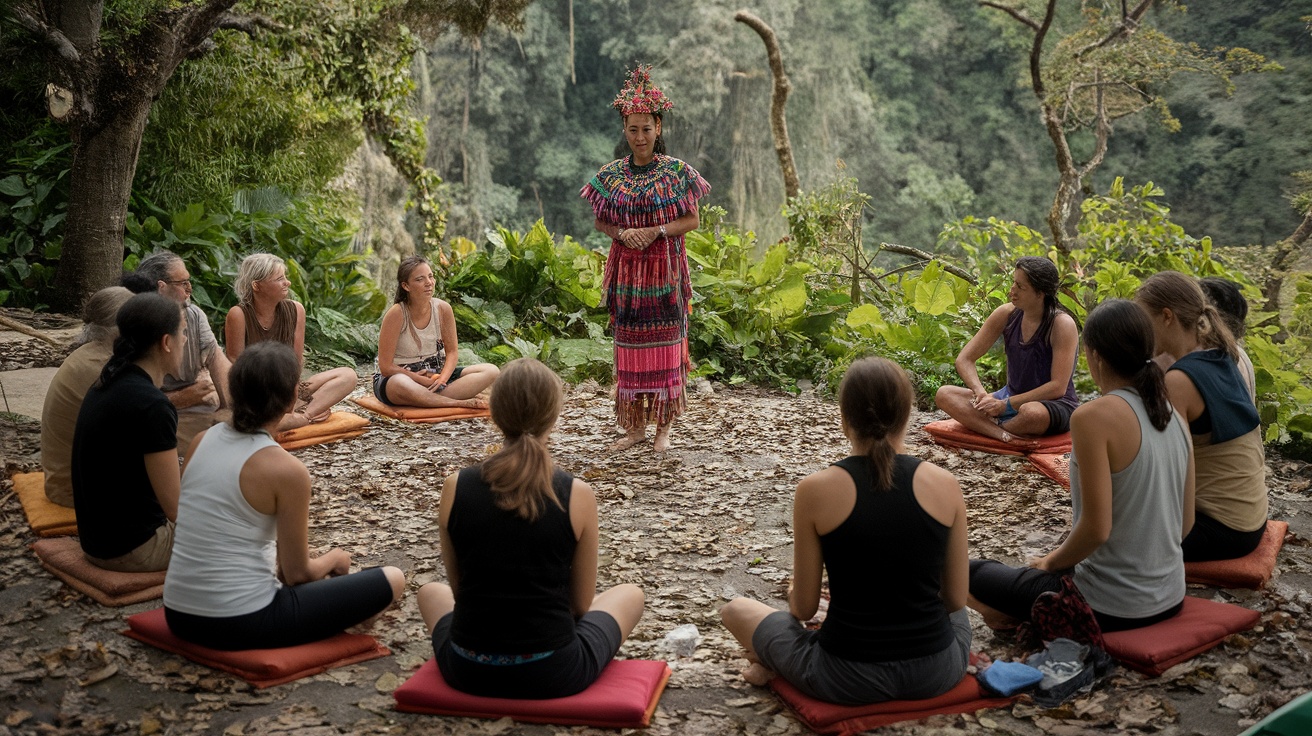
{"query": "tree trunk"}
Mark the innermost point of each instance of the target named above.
(100, 184)
(1275, 280)
(783, 147)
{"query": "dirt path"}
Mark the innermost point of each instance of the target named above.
(707, 522)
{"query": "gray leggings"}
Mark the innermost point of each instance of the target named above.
(795, 654)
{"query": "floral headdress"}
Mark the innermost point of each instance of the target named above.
(639, 95)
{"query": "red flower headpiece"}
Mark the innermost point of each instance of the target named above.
(639, 95)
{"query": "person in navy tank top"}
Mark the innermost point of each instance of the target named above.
(520, 617)
(891, 531)
(1040, 342)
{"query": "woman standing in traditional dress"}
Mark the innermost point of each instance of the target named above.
(646, 203)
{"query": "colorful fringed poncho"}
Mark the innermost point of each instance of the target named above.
(647, 291)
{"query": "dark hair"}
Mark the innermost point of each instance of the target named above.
(262, 384)
(622, 148)
(875, 400)
(142, 322)
(524, 407)
(1121, 333)
(156, 267)
(403, 271)
(1225, 295)
(1184, 297)
(1043, 276)
(137, 283)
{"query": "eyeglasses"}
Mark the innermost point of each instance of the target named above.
(184, 283)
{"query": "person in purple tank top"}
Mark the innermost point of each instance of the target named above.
(1040, 343)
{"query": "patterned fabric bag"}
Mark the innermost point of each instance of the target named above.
(1062, 614)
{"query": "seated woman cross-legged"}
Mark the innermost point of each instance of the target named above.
(521, 617)
(242, 576)
(265, 312)
(1206, 387)
(891, 530)
(418, 350)
(1040, 342)
(1132, 490)
(125, 448)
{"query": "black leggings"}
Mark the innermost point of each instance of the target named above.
(1212, 540)
(298, 614)
(1013, 590)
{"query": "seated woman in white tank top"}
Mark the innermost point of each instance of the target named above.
(241, 576)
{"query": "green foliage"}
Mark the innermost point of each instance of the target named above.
(342, 303)
(1282, 371)
(33, 203)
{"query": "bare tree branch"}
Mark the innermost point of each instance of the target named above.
(907, 250)
(1013, 12)
(783, 147)
(1101, 133)
(51, 36)
(1129, 24)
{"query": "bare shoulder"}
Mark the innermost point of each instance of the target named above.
(822, 482)
(1063, 325)
(1101, 411)
(582, 490)
(278, 468)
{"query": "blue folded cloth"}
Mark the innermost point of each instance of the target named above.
(1008, 678)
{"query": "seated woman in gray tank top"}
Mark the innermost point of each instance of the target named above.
(901, 632)
(1132, 488)
(1040, 342)
(241, 576)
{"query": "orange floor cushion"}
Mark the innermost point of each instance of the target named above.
(260, 667)
(1053, 465)
(950, 433)
(63, 557)
(47, 518)
(828, 718)
(1201, 625)
(340, 425)
(417, 414)
(625, 696)
(1253, 570)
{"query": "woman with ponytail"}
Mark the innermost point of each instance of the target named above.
(901, 632)
(125, 448)
(1040, 342)
(242, 576)
(1206, 387)
(520, 617)
(1132, 490)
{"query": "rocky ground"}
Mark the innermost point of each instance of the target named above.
(707, 522)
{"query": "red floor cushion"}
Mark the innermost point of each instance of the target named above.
(339, 425)
(417, 414)
(625, 696)
(950, 433)
(1252, 570)
(1053, 465)
(63, 557)
(829, 718)
(260, 667)
(47, 518)
(1200, 626)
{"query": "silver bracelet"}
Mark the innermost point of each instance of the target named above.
(663, 231)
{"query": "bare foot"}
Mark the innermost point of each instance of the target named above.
(756, 674)
(662, 441)
(474, 403)
(292, 421)
(1020, 443)
(631, 438)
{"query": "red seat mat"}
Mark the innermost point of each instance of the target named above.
(47, 518)
(63, 557)
(950, 433)
(417, 414)
(1057, 467)
(1252, 570)
(339, 425)
(1201, 625)
(829, 718)
(625, 696)
(260, 667)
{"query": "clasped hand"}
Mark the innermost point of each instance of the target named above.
(638, 238)
(988, 404)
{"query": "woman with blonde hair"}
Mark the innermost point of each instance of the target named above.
(1206, 387)
(902, 633)
(520, 617)
(418, 350)
(265, 311)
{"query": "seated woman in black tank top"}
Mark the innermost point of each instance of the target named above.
(891, 530)
(521, 617)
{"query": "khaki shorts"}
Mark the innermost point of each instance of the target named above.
(151, 556)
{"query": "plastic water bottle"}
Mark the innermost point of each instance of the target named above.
(682, 640)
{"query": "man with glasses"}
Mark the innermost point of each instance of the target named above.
(200, 393)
